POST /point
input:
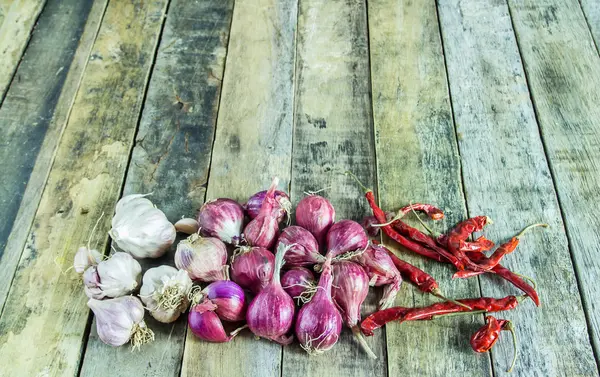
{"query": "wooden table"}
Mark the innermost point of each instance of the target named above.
(479, 106)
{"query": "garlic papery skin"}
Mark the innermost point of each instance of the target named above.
(85, 258)
(141, 229)
(117, 276)
(120, 320)
(204, 258)
(165, 292)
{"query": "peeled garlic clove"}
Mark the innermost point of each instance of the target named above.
(84, 258)
(120, 320)
(141, 229)
(187, 226)
(165, 292)
(204, 258)
(117, 276)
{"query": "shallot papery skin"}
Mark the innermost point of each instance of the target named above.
(204, 258)
(297, 280)
(382, 271)
(206, 324)
(303, 249)
(141, 229)
(253, 205)
(345, 236)
(222, 218)
(117, 319)
(229, 299)
(319, 323)
(252, 267)
(264, 228)
(271, 313)
(315, 214)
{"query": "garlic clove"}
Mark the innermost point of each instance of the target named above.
(165, 292)
(141, 229)
(91, 282)
(119, 319)
(187, 226)
(84, 258)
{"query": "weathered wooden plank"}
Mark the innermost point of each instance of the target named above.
(171, 159)
(253, 144)
(333, 133)
(18, 20)
(506, 177)
(34, 114)
(44, 303)
(418, 161)
(563, 69)
(591, 9)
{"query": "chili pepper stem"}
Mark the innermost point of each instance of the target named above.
(458, 313)
(518, 236)
(431, 232)
(348, 172)
(526, 278)
(360, 338)
(521, 298)
(438, 293)
(509, 326)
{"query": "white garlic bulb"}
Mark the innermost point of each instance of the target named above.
(141, 229)
(117, 276)
(165, 292)
(84, 258)
(120, 320)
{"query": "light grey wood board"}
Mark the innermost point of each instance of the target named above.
(506, 177)
(333, 133)
(28, 113)
(418, 161)
(171, 158)
(563, 69)
(253, 143)
(591, 10)
(18, 20)
(46, 302)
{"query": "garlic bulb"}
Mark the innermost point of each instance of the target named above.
(84, 258)
(117, 276)
(165, 292)
(120, 320)
(204, 258)
(141, 229)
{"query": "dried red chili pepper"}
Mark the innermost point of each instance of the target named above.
(402, 314)
(421, 279)
(485, 338)
(433, 212)
(459, 234)
(479, 245)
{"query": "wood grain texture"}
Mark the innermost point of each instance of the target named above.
(333, 133)
(32, 110)
(563, 69)
(44, 302)
(506, 177)
(171, 159)
(418, 161)
(591, 9)
(17, 23)
(253, 144)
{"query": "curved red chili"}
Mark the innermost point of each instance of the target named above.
(484, 339)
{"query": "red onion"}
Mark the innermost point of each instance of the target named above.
(253, 205)
(345, 236)
(303, 249)
(206, 324)
(319, 322)
(204, 258)
(315, 214)
(298, 282)
(271, 313)
(381, 271)
(252, 267)
(222, 218)
(228, 297)
(349, 290)
(264, 228)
